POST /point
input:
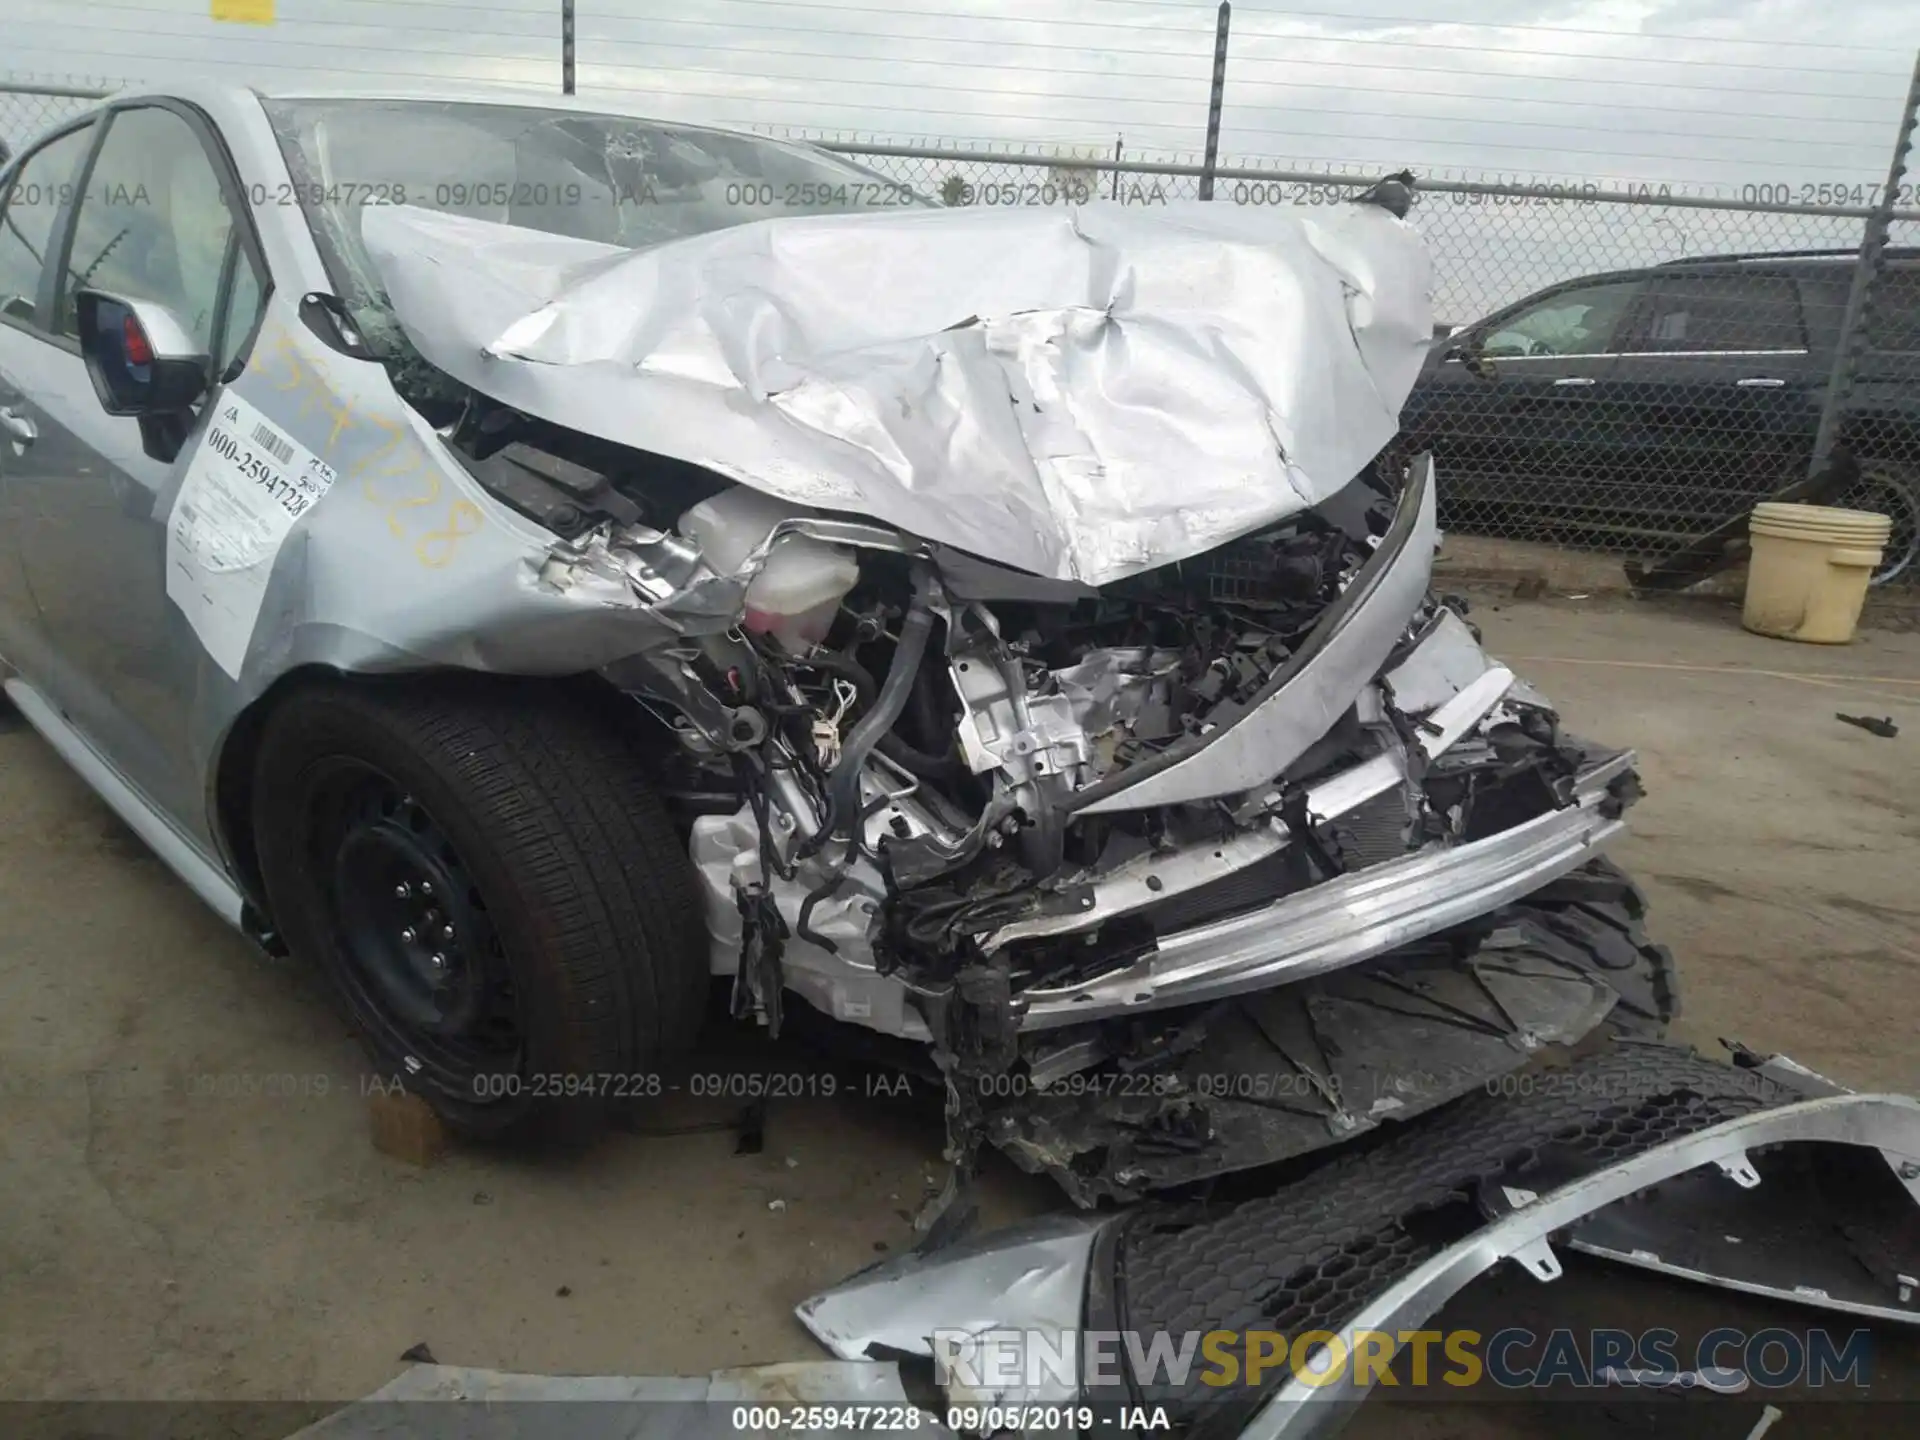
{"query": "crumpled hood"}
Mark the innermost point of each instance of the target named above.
(1082, 392)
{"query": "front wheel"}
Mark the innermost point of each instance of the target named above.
(487, 878)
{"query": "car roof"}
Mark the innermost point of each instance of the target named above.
(1813, 261)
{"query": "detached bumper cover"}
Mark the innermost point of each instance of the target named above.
(1889, 1123)
(1358, 1245)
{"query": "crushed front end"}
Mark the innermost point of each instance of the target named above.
(1210, 866)
(1055, 685)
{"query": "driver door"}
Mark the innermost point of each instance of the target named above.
(1532, 439)
(151, 220)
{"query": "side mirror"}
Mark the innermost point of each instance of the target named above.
(140, 357)
(1468, 353)
(143, 362)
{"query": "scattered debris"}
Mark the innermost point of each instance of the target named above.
(419, 1355)
(564, 1291)
(1530, 587)
(481, 1197)
(1881, 725)
(792, 1164)
(1769, 1417)
(1351, 1250)
(776, 1205)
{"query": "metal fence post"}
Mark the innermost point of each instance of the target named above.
(1214, 101)
(566, 47)
(1873, 244)
(1117, 140)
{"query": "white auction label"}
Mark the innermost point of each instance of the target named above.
(247, 485)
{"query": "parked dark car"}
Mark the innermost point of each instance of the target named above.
(1647, 406)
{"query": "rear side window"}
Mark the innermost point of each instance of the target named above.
(43, 184)
(1707, 313)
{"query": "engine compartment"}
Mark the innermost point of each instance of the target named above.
(1079, 842)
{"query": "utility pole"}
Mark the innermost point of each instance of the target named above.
(1866, 270)
(566, 47)
(1214, 101)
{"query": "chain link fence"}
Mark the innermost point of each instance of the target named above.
(28, 108)
(1626, 369)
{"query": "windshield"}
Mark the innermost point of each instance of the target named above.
(608, 178)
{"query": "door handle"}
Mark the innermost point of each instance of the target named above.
(1570, 381)
(18, 427)
(1759, 382)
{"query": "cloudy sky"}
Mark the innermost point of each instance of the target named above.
(1723, 92)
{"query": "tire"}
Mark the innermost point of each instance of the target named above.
(1892, 490)
(542, 954)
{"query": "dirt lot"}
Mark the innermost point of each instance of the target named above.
(192, 1208)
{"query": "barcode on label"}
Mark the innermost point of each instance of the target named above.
(275, 445)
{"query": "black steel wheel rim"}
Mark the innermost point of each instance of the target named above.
(419, 958)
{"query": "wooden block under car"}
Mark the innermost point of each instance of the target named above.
(405, 1127)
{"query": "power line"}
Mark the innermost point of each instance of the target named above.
(1239, 82)
(837, 8)
(1240, 61)
(1247, 9)
(736, 98)
(1072, 99)
(828, 6)
(1114, 97)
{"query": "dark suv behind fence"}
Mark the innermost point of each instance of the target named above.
(1641, 408)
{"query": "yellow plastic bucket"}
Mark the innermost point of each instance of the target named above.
(1809, 572)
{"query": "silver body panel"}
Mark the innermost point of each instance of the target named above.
(1032, 1277)
(1886, 1122)
(1266, 741)
(1177, 379)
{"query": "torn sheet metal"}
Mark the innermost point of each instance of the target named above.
(1376, 1243)
(1307, 695)
(455, 1402)
(1032, 1277)
(1323, 1406)
(404, 563)
(1082, 393)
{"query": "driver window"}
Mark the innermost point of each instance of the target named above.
(152, 224)
(1581, 321)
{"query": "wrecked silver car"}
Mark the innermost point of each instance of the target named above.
(524, 560)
